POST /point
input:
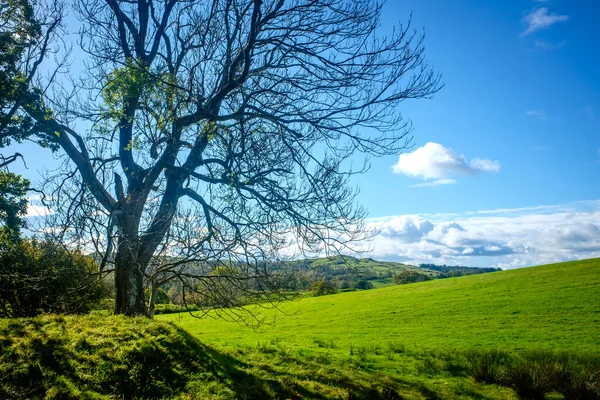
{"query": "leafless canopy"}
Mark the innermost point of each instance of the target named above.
(222, 132)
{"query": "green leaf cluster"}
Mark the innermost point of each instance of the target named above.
(13, 204)
(19, 29)
(124, 85)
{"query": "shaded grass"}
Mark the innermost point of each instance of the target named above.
(102, 357)
(108, 357)
(92, 356)
(536, 374)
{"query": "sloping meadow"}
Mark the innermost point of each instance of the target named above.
(530, 334)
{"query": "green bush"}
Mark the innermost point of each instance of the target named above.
(161, 296)
(363, 285)
(321, 288)
(43, 277)
(410, 277)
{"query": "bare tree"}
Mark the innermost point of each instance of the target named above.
(219, 133)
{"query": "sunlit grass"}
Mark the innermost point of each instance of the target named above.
(553, 307)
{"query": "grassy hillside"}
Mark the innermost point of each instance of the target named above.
(343, 271)
(99, 357)
(549, 307)
(108, 357)
(529, 334)
(356, 264)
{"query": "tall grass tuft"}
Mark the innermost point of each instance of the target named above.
(534, 374)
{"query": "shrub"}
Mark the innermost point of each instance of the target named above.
(321, 288)
(363, 285)
(161, 296)
(344, 284)
(410, 277)
(42, 276)
(489, 366)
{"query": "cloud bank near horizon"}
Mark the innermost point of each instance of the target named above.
(504, 238)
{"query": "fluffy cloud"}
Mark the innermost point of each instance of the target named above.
(405, 228)
(540, 19)
(440, 164)
(505, 238)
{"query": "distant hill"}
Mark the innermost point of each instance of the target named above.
(345, 271)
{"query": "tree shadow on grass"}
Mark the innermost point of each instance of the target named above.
(130, 359)
(294, 378)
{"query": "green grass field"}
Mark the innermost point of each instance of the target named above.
(524, 334)
(554, 307)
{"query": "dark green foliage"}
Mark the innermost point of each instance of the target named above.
(13, 205)
(321, 288)
(41, 276)
(452, 271)
(488, 366)
(363, 285)
(20, 32)
(161, 296)
(410, 277)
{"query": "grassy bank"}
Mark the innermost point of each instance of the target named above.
(101, 357)
(530, 334)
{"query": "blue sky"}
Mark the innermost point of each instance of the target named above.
(505, 162)
(508, 97)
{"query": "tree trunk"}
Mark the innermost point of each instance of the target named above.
(152, 300)
(129, 278)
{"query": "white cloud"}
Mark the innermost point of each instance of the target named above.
(485, 165)
(439, 182)
(542, 44)
(407, 228)
(536, 113)
(506, 238)
(35, 208)
(440, 164)
(38, 211)
(540, 19)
